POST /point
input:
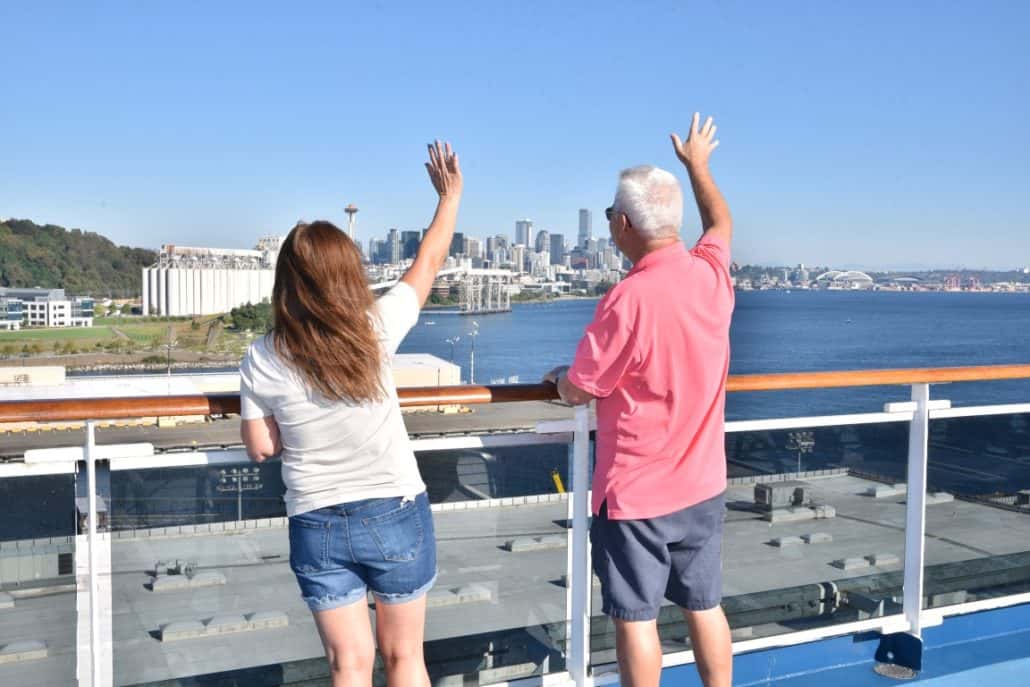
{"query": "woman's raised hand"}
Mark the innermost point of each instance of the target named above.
(444, 171)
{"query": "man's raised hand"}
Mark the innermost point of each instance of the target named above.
(699, 144)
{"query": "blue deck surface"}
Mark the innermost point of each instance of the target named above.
(988, 648)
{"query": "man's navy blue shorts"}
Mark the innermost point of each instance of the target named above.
(677, 556)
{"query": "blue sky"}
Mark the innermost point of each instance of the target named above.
(872, 134)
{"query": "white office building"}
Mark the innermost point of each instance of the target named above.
(43, 308)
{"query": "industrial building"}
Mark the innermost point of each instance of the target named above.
(188, 281)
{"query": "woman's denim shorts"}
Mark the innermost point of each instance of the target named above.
(340, 552)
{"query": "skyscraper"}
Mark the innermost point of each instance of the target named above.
(585, 231)
(542, 242)
(474, 248)
(557, 249)
(524, 232)
(518, 258)
(497, 249)
(457, 244)
(396, 251)
(409, 244)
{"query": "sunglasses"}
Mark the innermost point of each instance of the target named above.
(609, 212)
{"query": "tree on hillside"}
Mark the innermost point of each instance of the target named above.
(82, 263)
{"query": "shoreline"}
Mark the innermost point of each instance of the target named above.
(96, 363)
(451, 306)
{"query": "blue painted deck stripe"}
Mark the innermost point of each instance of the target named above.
(986, 648)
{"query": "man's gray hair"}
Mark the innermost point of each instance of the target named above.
(652, 200)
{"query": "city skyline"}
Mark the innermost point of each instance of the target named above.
(843, 135)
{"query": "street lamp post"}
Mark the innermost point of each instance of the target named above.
(472, 356)
(453, 340)
(802, 442)
(239, 480)
(169, 353)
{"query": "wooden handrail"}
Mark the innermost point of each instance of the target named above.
(224, 404)
(917, 375)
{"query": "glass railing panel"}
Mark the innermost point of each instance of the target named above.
(38, 619)
(498, 609)
(814, 534)
(978, 509)
(175, 496)
(199, 594)
(197, 591)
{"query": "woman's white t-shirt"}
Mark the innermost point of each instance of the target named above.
(336, 451)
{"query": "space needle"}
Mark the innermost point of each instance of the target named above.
(351, 210)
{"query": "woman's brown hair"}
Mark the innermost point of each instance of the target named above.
(322, 309)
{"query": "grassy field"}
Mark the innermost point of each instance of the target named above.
(76, 334)
(134, 337)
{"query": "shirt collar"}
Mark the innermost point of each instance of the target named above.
(657, 257)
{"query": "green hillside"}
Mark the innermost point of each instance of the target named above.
(82, 263)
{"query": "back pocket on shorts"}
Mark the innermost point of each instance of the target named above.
(398, 533)
(309, 544)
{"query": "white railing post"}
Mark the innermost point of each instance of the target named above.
(578, 595)
(94, 596)
(900, 655)
(96, 668)
(915, 508)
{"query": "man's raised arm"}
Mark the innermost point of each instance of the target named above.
(694, 154)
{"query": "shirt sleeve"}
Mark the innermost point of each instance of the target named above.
(606, 351)
(251, 405)
(398, 312)
(713, 249)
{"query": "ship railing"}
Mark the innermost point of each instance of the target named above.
(894, 596)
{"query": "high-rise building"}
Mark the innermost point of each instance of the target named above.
(390, 250)
(409, 244)
(458, 244)
(518, 258)
(474, 248)
(542, 242)
(524, 232)
(557, 249)
(395, 250)
(585, 230)
(497, 249)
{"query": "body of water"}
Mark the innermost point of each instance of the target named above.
(776, 331)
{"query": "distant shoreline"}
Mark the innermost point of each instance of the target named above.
(451, 306)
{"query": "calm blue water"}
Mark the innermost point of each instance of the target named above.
(775, 331)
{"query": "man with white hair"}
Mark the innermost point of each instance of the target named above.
(655, 357)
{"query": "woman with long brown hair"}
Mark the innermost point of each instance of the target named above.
(318, 393)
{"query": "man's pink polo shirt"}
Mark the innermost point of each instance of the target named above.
(656, 356)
